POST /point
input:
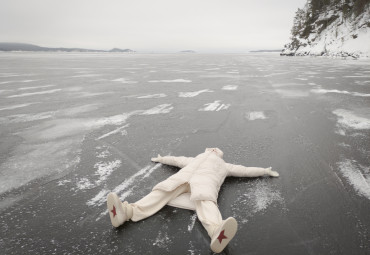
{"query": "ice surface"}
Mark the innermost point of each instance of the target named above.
(292, 93)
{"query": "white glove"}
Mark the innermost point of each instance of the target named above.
(157, 158)
(272, 173)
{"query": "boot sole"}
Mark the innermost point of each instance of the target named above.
(227, 232)
(114, 204)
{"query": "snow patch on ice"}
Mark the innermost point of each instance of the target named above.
(324, 91)
(163, 108)
(255, 199)
(36, 93)
(193, 94)
(105, 169)
(162, 240)
(104, 153)
(349, 120)
(255, 116)
(357, 175)
(230, 87)
(215, 106)
(170, 81)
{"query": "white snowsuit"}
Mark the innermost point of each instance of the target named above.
(197, 183)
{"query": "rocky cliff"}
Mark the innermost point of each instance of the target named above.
(331, 28)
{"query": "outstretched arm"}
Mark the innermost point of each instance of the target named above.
(242, 171)
(173, 161)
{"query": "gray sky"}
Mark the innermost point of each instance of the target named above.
(150, 25)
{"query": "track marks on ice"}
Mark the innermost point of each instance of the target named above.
(124, 189)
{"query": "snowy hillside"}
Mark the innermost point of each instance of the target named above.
(331, 28)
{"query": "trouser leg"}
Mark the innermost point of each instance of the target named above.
(209, 214)
(154, 201)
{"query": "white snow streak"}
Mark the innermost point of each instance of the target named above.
(230, 87)
(170, 81)
(15, 106)
(37, 87)
(123, 80)
(153, 96)
(324, 91)
(118, 130)
(193, 218)
(36, 93)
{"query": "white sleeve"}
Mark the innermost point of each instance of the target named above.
(242, 171)
(175, 161)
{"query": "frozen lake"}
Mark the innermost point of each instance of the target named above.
(74, 127)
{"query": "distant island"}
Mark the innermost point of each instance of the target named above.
(265, 50)
(187, 51)
(6, 46)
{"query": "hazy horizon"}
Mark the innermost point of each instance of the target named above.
(148, 26)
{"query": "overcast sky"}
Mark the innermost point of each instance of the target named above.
(150, 25)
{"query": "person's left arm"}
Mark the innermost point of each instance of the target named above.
(242, 171)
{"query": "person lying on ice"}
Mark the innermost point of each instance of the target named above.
(195, 187)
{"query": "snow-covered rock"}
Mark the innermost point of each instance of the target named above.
(336, 28)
